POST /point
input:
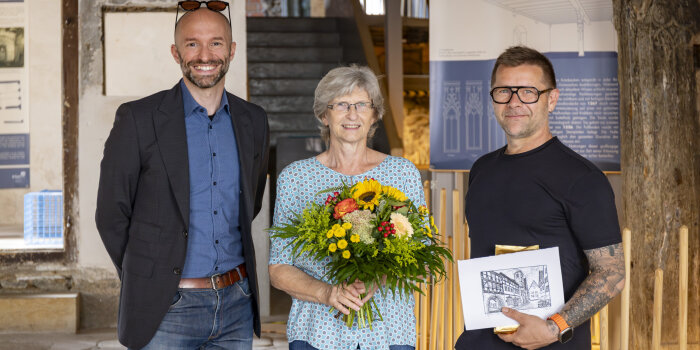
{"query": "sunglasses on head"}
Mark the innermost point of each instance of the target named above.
(194, 5)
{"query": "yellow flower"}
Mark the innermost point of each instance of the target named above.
(392, 192)
(335, 227)
(346, 254)
(329, 234)
(433, 226)
(347, 225)
(340, 232)
(332, 247)
(427, 232)
(367, 193)
(423, 210)
(342, 244)
(355, 238)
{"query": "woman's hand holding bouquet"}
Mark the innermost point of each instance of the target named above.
(374, 236)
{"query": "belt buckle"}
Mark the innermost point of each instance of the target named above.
(213, 283)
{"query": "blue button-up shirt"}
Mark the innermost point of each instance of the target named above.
(214, 240)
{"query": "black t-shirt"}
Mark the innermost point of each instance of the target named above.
(549, 196)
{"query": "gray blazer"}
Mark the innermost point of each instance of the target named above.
(143, 204)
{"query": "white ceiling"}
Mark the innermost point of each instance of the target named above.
(559, 11)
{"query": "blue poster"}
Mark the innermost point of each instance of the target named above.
(586, 118)
(14, 178)
(14, 149)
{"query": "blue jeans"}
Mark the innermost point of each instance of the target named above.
(207, 319)
(302, 345)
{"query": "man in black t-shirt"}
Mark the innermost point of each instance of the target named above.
(535, 190)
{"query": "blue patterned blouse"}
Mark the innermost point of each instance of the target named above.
(311, 322)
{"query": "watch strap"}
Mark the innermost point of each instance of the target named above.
(559, 321)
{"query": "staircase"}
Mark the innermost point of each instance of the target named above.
(287, 57)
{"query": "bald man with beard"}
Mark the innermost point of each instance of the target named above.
(181, 180)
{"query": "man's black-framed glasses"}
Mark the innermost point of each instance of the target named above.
(360, 107)
(194, 5)
(526, 94)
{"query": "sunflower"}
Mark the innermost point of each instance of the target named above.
(392, 192)
(367, 193)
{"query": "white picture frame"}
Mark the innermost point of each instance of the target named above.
(528, 281)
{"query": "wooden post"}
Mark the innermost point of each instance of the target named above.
(604, 336)
(392, 133)
(426, 194)
(437, 306)
(424, 317)
(393, 47)
(467, 241)
(439, 335)
(449, 305)
(658, 309)
(683, 290)
(416, 315)
(625, 309)
(659, 142)
(457, 220)
(443, 213)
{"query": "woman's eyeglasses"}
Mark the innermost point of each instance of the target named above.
(360, 107)
(193, 5)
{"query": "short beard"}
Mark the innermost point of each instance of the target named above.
(202, 83)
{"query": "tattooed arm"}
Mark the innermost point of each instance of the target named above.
(606, 280)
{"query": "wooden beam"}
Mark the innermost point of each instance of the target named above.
(71, 84)
(393, 48)
(392, 133)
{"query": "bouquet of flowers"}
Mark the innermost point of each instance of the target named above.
(371, 233)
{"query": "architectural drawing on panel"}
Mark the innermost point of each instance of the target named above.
(10, 95)
(520, 288)
(496, 135)
(474, 113)
(451, 108)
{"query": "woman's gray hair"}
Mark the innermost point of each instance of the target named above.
(343, 81)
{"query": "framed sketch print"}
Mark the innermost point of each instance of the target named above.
(528, 281)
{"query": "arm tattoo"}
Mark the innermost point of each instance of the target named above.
(606, 280)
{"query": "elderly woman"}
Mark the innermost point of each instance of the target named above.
(349, 104)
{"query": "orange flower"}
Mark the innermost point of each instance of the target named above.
(343, 207)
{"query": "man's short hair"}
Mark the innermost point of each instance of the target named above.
(518, 55)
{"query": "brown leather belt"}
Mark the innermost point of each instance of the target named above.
(216, 281)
